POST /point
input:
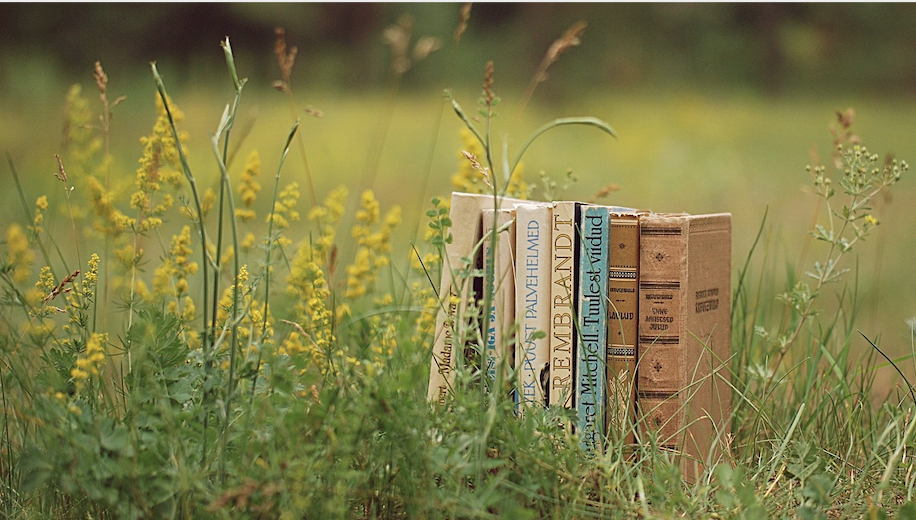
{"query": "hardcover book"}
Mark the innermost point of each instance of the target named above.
(456, 288)
(564, 257)
(623, 286)
(532, 301)
(499, 285)
(591, 359)
(684, 335)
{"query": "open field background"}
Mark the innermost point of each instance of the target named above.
(718, 108)
(709, 118)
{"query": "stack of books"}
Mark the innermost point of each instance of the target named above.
(621, 315)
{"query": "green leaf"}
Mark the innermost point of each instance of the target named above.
(907, 511)
(585, 121)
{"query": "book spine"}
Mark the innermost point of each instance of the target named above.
(662, 269)
(458, 288)
(455, 291)
(499, 282)
(685, 336)
(532, 303)
(623, 286)
(564, 254)
(592, 345)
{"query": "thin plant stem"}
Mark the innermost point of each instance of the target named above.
(233, 345)
(270, 245)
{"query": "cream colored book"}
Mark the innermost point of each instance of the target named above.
(564, 254)
(499, 284)
(532, 301)
(456, 288)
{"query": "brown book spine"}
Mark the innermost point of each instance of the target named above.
(563, 282)
(684, 335)
(623, 286)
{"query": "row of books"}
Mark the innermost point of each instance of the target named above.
(621, 315)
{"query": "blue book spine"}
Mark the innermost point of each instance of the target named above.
(592, 345)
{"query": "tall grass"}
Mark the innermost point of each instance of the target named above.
(218, 395)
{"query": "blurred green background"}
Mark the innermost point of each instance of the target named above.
(718, 107)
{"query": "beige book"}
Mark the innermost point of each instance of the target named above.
(684, 336)
(499, 321)
(456, 288)
(532, 301)
(564, 256)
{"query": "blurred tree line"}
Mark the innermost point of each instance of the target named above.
(771, 48)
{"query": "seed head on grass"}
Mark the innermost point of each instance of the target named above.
(464, 16)
(286, 59)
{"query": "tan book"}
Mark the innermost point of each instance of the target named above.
(684, 335)
(564, 255)
(532, 301)
(456, 289)
(623, 287)
(499, 282)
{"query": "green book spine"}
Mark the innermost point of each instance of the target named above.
(591, 361)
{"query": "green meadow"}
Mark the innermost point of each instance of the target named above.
(273, 362)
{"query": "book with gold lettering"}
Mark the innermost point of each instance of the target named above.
(623, 287)
(564, 258)
(684, 339)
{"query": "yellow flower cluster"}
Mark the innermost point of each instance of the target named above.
(468, 179)
(315, 333)
(159, 164)
(38, 220)
(284, 206)
(88, 363)
(19, 255)
(425, 323)
(249, 188)
(79, 300)
(253, 328)
(171, 278)
(109, 221)
(373, 246)
(327, 218)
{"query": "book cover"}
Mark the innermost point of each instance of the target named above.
(532, 301)
(684, 335)
(499, 284)
(623, 280)
(456, 285)
(564, 256)
(591, 359)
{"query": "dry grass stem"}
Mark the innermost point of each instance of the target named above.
(464, 16)
(62, 286)
(604, 192)
(61, 174)
(571, 38)
(285, 58)
(475, 163)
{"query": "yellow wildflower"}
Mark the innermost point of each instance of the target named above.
(374, 246)
(19, 255)
(249, 188)
(37, 227)
(89, 363)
